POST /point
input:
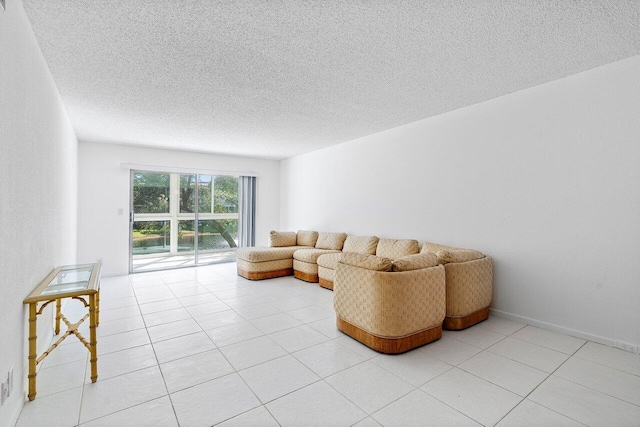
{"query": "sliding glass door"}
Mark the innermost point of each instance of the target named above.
(182, 220)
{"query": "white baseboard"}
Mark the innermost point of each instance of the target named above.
(114, 274)
(561, 329)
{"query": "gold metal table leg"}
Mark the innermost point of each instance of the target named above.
(58, 307)
(33, 349)
(93, 342)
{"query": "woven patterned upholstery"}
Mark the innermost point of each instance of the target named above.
(415, 262)
(331, 241)
(469, 278)
(282, 238)
(329, 260)
(388, 304)
(448, 254)
(266, 254)
(361, 244)
(326, 273)
(469, 286)
(356, 244)
(435, 247)
(307, 238)
(369, 262)
(458, 255)
(261, 267)
(392, 248)
(305, 267)
(311, 255)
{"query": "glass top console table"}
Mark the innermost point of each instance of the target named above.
(79, 282)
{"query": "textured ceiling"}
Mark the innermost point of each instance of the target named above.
(278, 78)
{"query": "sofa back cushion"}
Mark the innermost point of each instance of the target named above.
(307, 238)
(447, 254)
(458, 255)
(331, 241)
(415, 262)
(434, 247)
(392, 248)
(370, 262)
(361, 244)
(282, 238)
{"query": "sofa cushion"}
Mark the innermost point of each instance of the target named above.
(415, 262)
(328, 274)
(282, 238)
(448, 254)
(311, 255)
(331, 241)
(458, 255)
(370, 262)
(393, 248)
(265, 266)
(329, 260)
(361, 244)
(307, 238)
(435, 247)
(266, 254)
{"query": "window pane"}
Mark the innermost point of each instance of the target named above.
(225, 194)
(151, 237)
(205, 184)
(217, 234)
(150, 192)
(186, 235)
(187, 193)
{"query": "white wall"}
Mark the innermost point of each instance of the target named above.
(104, 189)
(546, 180)
(38, 195)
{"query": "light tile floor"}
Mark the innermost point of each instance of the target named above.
(143, 263)
(203, 347)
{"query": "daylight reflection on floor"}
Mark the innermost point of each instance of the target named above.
(163, 262)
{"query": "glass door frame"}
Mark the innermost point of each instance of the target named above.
(174, 216)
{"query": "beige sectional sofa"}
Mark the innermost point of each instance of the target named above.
(387, 291)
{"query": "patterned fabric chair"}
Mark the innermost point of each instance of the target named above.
(327, 263)
(469, 278)
(305, 261)
(390, 306)
(277, 259)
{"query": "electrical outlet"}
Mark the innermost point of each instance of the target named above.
(4, 391)
(10, 381)
(626, 346)
(99, 260)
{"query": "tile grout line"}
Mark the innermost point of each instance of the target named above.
(123, 409)
(299, 293)
(542, 382)
(482, 350)
(146, 328)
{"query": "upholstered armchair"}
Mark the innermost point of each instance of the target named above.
(390, 306)
(469, 278)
